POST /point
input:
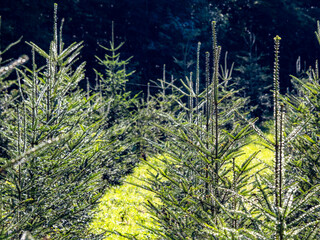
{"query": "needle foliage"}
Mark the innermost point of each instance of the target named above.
(63, 152)
(206, 193)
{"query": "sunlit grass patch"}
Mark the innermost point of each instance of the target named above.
(122, 208)
(264, 157)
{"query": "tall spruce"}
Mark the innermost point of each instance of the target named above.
(52, 191)
(202, 144)
(278, 208)
(205, 194)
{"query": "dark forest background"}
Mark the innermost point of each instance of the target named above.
(167, 32)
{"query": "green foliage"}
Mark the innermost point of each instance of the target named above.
(6, 68)
(48, 193)
(113, 82)
(279, 209)
(304, 105)
(64, 147)
(203, 141)
(118, 108)
(254, 79)
(121, 211)
(59, 149)
(206, 193)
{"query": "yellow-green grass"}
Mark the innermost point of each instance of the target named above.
(264, 157)
(122, 208)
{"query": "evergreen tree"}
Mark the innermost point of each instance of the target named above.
(200, 151)
(119, 110)
(305, 106)
(205, 194)
(254, 79)
(52, 191)
(279, 208)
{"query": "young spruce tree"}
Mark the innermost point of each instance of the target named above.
(200, 153)
(118, 108)
(278, 208)
(52, 191)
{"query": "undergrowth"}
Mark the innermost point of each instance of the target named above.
(122, 211)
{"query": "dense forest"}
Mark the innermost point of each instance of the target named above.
(213, 105)
(166, 32)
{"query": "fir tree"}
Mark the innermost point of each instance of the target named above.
(118, 108)
(203, 141)
(305, 105)
(52, 191)
(279, 208)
